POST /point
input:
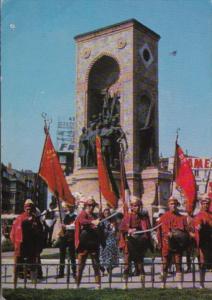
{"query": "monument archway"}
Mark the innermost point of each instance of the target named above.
(103, 74)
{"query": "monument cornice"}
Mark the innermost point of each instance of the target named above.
(117, 27)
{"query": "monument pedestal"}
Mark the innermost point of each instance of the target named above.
(152, 184)
(155, 188)
(86, 181)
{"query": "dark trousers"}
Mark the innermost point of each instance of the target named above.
(82, 257)
(48, 234)
(64, 244)
(138, 261)
(177, 259)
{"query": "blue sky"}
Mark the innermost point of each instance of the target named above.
(39, 68)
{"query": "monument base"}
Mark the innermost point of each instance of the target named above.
(152, 184)
(86, 181)
(155, 189)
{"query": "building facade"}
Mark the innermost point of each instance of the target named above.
(17, 186)
(65, 144)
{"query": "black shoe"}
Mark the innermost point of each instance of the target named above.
(59, 276)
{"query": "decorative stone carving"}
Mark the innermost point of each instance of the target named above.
(121, 43)
(86, 53)
(146, 55)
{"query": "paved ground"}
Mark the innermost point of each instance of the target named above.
(50, 269)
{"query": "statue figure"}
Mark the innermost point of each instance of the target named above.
(100, 118)
(105, 124)
(83, 147)
(115, 105)
(92, 145)
(93, 120)
(107, 136)
(99, 127)
(106, 106)
(119, 137)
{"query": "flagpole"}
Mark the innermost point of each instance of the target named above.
(59, 207)
(174, 165)
(56, 195)
(100, 201)
(121, 159)
(208, 179)
(46, 130)
(100, 194)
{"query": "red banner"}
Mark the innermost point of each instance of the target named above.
(52, 173)
(104, 179)
(209, 192)
(185, 179)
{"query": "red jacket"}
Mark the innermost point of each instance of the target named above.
(131, 221)
(82, 219)
(168, 222)
(202, 218)
(16, 234)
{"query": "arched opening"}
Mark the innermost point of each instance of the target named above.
(103, 74)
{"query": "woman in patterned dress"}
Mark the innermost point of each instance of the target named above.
(109, 255)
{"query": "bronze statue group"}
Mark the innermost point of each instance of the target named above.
(106, 124)
(103, 235)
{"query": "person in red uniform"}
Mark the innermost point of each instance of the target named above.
(16, 238)
(203, 237)
(170, 222)
(32, 244)
(87, 240)
(134, 245)
(26, 235)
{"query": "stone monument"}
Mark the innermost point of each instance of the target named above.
(117, 79)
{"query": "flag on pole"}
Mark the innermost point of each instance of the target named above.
(124, 187)
(51, 172)
(209, 192)
(105, 184)
(184, 178)
(208, 189)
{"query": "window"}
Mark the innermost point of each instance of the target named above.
(206, 174)
(196, 173)
(62, 159)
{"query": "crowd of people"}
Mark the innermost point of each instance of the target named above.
(90, 231)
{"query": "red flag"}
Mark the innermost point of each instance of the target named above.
(52, 173)
(105, 184)
(124, 187)
(209, 193)
(185, 179)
